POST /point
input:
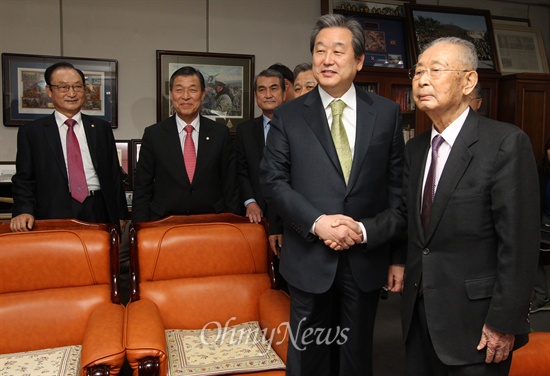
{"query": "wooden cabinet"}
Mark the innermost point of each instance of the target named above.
(524, 100)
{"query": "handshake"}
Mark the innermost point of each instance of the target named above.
(339, 232)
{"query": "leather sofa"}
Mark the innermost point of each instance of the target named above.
(58, 289)
(532, 359)
(187, 271)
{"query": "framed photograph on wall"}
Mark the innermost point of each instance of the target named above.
(24, 87)
(385, 43)
(429, 22)
(225, 75)
(124, 151)
(520, 49)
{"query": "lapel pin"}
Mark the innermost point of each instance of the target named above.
(207, 138)
(93, 126)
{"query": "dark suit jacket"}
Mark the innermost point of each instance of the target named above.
(250, 145)
(302, 178)
(479, 257)
(161, 185)
(41, 185)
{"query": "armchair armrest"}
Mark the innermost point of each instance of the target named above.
(145, 338)
(274, 317)
(103, 342)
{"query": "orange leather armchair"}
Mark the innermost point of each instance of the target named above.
(532, 359)
(188, 271)
(59, 287)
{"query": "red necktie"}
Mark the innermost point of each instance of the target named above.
(429, 187)
(189, 154)
(77, 177)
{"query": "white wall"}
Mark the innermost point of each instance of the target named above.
(131, 31)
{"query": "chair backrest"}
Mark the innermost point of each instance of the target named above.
(200, 269)
(51, 280)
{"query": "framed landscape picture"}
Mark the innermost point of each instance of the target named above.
(24, 87)
(224, 74)
(428, 23)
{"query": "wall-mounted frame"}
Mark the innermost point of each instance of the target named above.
(7, 170)
(24, 87)
(124, 151)
(135, 148)
(235, 71)
(429, 22)
(520, 49)
(385, 43)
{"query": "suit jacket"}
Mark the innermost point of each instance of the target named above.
(250, 145)
(41, 183)
(161, 185)
(301, 177)
(479, 257)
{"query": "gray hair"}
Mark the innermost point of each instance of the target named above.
(337, 20)
(303, 67)
(270, 73)
(468, 58)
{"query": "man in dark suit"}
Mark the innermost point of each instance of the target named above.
(205, 181)
(41, 188)
(251, 136)
(307, 179)
(472, 254)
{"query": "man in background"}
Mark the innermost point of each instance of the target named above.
(186, 162)
(251, 136)
(289, 79)
(67, 164)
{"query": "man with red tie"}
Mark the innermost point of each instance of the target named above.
(187, 162)
(67, 164)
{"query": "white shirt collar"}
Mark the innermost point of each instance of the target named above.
(451, 132)
(60, 118)
(349, 97)
(181, 124)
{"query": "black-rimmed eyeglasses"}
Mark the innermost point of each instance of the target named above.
(66, 88)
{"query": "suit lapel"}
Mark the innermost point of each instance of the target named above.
(91, 137)
(51, 134)
(454, 169)
(205, 144)
(258, 131)
(315, 116)
(366, 118)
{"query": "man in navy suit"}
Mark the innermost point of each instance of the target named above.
(164, 183)
(250, 143)
(41, 183)
(312, 188)
(472, 253)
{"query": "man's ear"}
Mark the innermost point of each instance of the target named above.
(471, 82)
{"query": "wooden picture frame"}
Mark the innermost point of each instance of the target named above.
(520, 49)
(235, 71)
(24, 87)
(429, 22)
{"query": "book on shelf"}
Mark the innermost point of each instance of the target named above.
(408, 133)
(402, 95)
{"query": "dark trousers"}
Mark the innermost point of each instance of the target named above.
(93, 209)
(313, 332)
(422, 360)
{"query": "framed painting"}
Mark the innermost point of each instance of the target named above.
(520, 49)
(24, 87)
(7, 170)
(385, 43)
(124, 151)
(225, 75)
(428, 23)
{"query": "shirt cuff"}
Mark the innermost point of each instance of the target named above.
(250, 200)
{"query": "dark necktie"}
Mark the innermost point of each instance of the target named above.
(429, 187)
(189, 154)
(340, 137)
(77, 177)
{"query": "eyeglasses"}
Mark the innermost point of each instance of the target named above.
(416, 73)
(66, 88)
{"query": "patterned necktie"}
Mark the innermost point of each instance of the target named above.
(340, 137)
(429, 187)
(77, 177)
(189, 154)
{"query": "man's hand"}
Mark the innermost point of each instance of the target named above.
(395, 278)
(253, 212)
(338, 231)
(275, 243)
(22, 223)
(499, 345)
